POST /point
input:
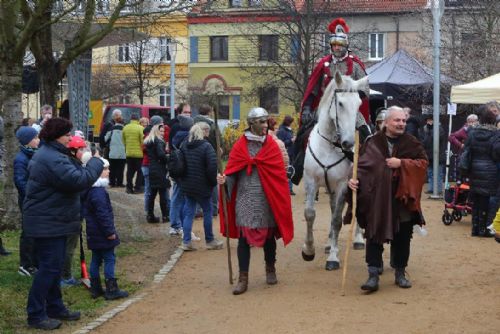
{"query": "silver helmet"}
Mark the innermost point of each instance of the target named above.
(256, 112)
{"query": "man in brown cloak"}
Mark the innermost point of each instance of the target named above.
(391, 172)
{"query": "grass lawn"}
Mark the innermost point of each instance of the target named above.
(14, 288)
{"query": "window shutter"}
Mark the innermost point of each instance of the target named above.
(193, 49)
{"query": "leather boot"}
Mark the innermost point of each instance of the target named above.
(271, 278)
(400, 279)
(242, 285)
(96, 290)
(112, 290)
(152, 219)
(3, 251)
(371, 284)
(484, 232)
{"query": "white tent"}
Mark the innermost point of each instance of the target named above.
(477, 92)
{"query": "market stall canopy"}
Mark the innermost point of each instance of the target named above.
(477, 92)
(402, 76)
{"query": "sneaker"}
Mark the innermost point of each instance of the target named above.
(188, 247)
(175, 231)
(28, 272)
(47, 324)
(65, 283)
(214, 244)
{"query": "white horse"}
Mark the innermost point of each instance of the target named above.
(326, 165)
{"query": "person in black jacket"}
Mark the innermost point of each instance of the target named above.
(51, 212)
(483, 172)
(412, 123)
(197, 184)
(101, 237)
(158, 181)
(427, 139)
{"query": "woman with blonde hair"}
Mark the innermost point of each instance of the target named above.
(158, 182)
(197, 184)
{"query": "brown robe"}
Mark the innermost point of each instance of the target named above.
(384, 191)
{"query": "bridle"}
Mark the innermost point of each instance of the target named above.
(335, 142)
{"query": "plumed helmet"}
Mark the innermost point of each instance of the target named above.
(256, 112)
(338, 32)
(77, 142)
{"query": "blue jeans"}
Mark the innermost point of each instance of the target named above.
(189, 212)
(430, 180)
(176, 207)
(45, 298)
(147, 189)
(215, 200)
(100, 255)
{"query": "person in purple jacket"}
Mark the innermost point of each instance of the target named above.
(102, 237)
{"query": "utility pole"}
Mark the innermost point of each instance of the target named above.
(437, 13)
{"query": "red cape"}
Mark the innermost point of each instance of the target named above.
(320, 71)
(272, 174)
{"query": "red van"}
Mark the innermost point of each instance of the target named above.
(141, 110)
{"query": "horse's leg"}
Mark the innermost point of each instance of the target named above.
(359, 241)
(330, 236)
(308, 251)
(336, 205)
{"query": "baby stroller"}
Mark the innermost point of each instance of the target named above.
(456, 199)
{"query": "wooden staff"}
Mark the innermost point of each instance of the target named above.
(354, 204)
(223, 195)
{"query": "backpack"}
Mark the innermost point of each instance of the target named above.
(176, 162)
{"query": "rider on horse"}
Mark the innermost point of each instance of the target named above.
(340, 60)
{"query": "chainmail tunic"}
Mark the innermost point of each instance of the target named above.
(252, 208)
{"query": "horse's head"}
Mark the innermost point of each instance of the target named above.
(341, 98)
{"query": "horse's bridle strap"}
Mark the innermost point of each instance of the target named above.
(326, 168)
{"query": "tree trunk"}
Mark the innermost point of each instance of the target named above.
(12, 115)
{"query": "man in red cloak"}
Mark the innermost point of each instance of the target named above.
(339, 60)
(259, 207)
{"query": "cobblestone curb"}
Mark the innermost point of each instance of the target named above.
(160, 276)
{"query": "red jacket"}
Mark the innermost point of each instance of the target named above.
(321, 75)
(272, 174)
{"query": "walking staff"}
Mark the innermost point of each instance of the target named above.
(223, 191)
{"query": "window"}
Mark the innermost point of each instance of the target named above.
(164, 49)
(376, 46)
(124, 53)
(164, 96)
(254, 3)
(235, 3)
(218, 48)
(268, 99)
(102, 6)
(268, 47)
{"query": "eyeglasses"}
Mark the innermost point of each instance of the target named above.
(262, 121)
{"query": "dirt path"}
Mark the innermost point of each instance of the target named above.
(455, 289)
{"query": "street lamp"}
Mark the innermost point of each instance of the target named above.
(172, 49)
(437, 12)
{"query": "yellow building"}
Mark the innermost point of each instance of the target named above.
(234, 47)
(139, 72)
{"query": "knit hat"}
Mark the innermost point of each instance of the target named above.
(186, 122)
(155, 120)
(25, 134)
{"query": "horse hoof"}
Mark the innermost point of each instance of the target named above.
(327, 249)
(307, 257)
(358, 245)
(332, 265)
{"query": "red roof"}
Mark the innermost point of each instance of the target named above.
(367, 6)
